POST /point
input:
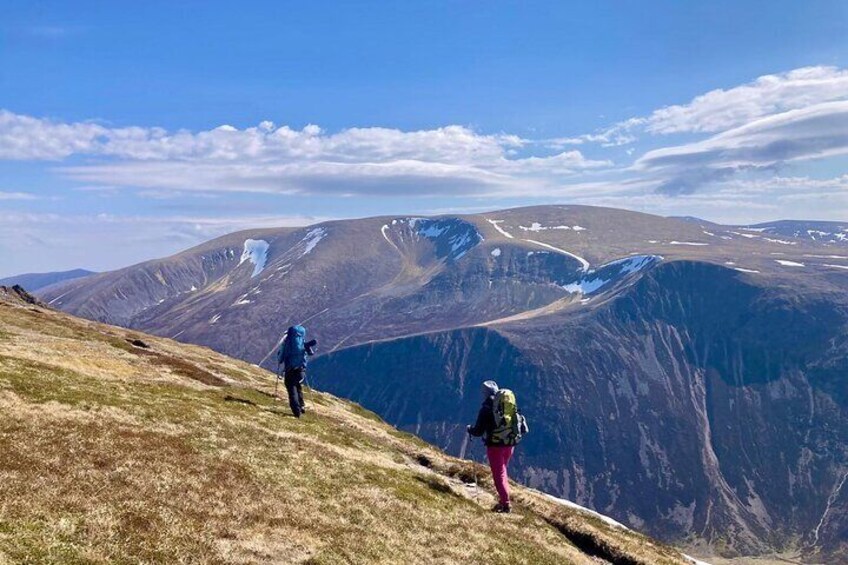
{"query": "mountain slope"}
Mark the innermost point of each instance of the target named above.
(119, 446)
(640, 320)
(698, 404)
(37, 281)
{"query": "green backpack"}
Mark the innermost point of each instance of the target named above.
(510, 424)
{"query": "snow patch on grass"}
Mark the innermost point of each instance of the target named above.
(496, 252)
(786, 263)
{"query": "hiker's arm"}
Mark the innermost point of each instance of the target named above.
(479, 427)
(281, 352)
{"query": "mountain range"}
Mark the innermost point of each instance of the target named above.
(683, 377)
(38, 281)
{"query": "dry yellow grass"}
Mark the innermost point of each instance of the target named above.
(160, 452)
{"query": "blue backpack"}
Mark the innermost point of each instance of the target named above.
(292, 354)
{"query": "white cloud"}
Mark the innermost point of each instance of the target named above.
(809, 133)
(266, 158)
(612, 136)
(719, 109)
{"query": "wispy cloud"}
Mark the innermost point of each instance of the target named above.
(720, 110)
(723, 109)
(814, 132)
(5, 195)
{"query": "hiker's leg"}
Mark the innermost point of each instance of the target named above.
(292, 387)
(299, 389)
(497, 463)
(507, 455)
(294, 403)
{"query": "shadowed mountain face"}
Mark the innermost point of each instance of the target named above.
(692, 404)
(681, 376)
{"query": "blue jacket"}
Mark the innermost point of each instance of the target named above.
(293, 351)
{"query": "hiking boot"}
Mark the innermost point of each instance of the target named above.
(502, 508)
(303, 409)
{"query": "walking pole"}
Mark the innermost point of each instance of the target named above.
(277, 382)
(476, 486)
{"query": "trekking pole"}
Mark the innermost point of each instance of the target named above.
(277, 382)
(474, 466)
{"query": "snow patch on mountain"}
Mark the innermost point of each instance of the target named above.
(496, 252)
(501, 231)
(607, 520)
(693, 243)
(583, 509)
(255, 251)
(583, 262)
(537, 227)
(312, 238)
(786, 263)
(385, 231)
(615, 270)
(780, 241)
(453, 237)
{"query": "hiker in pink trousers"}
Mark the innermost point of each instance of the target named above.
(497, 451)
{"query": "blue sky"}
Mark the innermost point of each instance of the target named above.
(112, 148)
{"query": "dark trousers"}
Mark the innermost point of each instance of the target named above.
(294, 386)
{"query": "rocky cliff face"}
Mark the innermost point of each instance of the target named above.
(696, 404)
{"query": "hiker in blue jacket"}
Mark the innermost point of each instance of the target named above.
(292, 355)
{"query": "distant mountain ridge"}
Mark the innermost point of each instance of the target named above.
(37, 281)
(658, 356)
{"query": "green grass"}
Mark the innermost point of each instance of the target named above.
(131, 456)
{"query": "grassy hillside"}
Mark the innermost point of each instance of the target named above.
(122, 447)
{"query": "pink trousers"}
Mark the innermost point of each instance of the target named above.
(499, 456)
